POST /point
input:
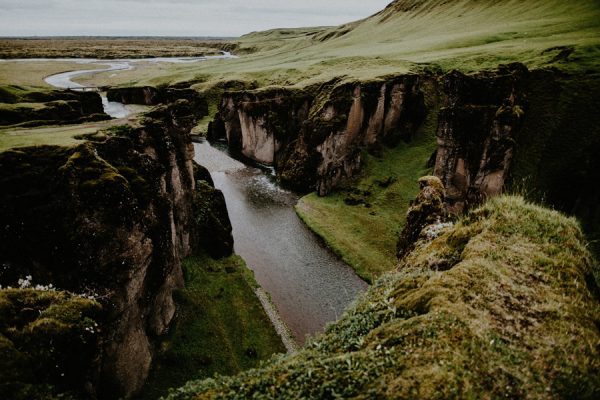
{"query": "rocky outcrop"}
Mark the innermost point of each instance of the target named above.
(52, 107)
(314, 137)
(427, 209)
(477, 130)
(112, 217)
(210, 216)
(150, 96)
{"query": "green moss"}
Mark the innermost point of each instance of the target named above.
(500, 322)
(220, 326)
(48, 343)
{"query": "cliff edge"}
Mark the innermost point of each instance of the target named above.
(111, 218)
(503, 303)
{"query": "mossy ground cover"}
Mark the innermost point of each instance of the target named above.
(220, 326)
(13, 137)
(514, 313)
(48, 344)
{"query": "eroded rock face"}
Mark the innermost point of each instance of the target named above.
(428, 208)
(114, 218)
(314, 137)
(477, 131)
(151, 96)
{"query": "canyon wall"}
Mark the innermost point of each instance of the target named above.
(49, 107)
(534, 132)
(314, 137)
(112, 217)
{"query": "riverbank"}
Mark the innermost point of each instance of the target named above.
(308, 285)
(220, 326)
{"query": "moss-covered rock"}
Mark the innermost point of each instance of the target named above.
(20, 105)
(213, 228)
(516, 314)
(49, 344)
(113, 215)
(428, 208)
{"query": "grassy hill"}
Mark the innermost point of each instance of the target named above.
(469, 35)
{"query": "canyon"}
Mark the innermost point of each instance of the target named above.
(455, 170)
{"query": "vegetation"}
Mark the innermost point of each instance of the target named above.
(108, 48)
(30, 75)
(408, 35)
(48, 343)
(220, 326)
(362, 220)
(514, 313)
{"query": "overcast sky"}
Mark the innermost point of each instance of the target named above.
(174, 17)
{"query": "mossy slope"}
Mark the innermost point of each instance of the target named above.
(516, 314)
(48, 344)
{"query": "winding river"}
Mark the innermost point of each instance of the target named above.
(308, 284)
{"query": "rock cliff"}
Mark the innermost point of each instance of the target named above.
(49, 107)
(314, 137)
(112, 217)
(506, 128)
(150, 96)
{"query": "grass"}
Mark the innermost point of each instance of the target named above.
(365, 235)
(62, 135)
(30, 73)
(430, 34)
(220, 326)
(514, 314)
(407, 36)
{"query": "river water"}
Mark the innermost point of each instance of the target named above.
(308, 285)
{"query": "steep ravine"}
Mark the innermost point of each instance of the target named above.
(112, 218)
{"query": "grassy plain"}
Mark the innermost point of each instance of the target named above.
(410, 35)
(109, 47)
(469, 35)
(220, 326)
(32, 73)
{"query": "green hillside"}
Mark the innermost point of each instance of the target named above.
(408, 35)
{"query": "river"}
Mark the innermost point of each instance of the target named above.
(114, 109)
(308, 284)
